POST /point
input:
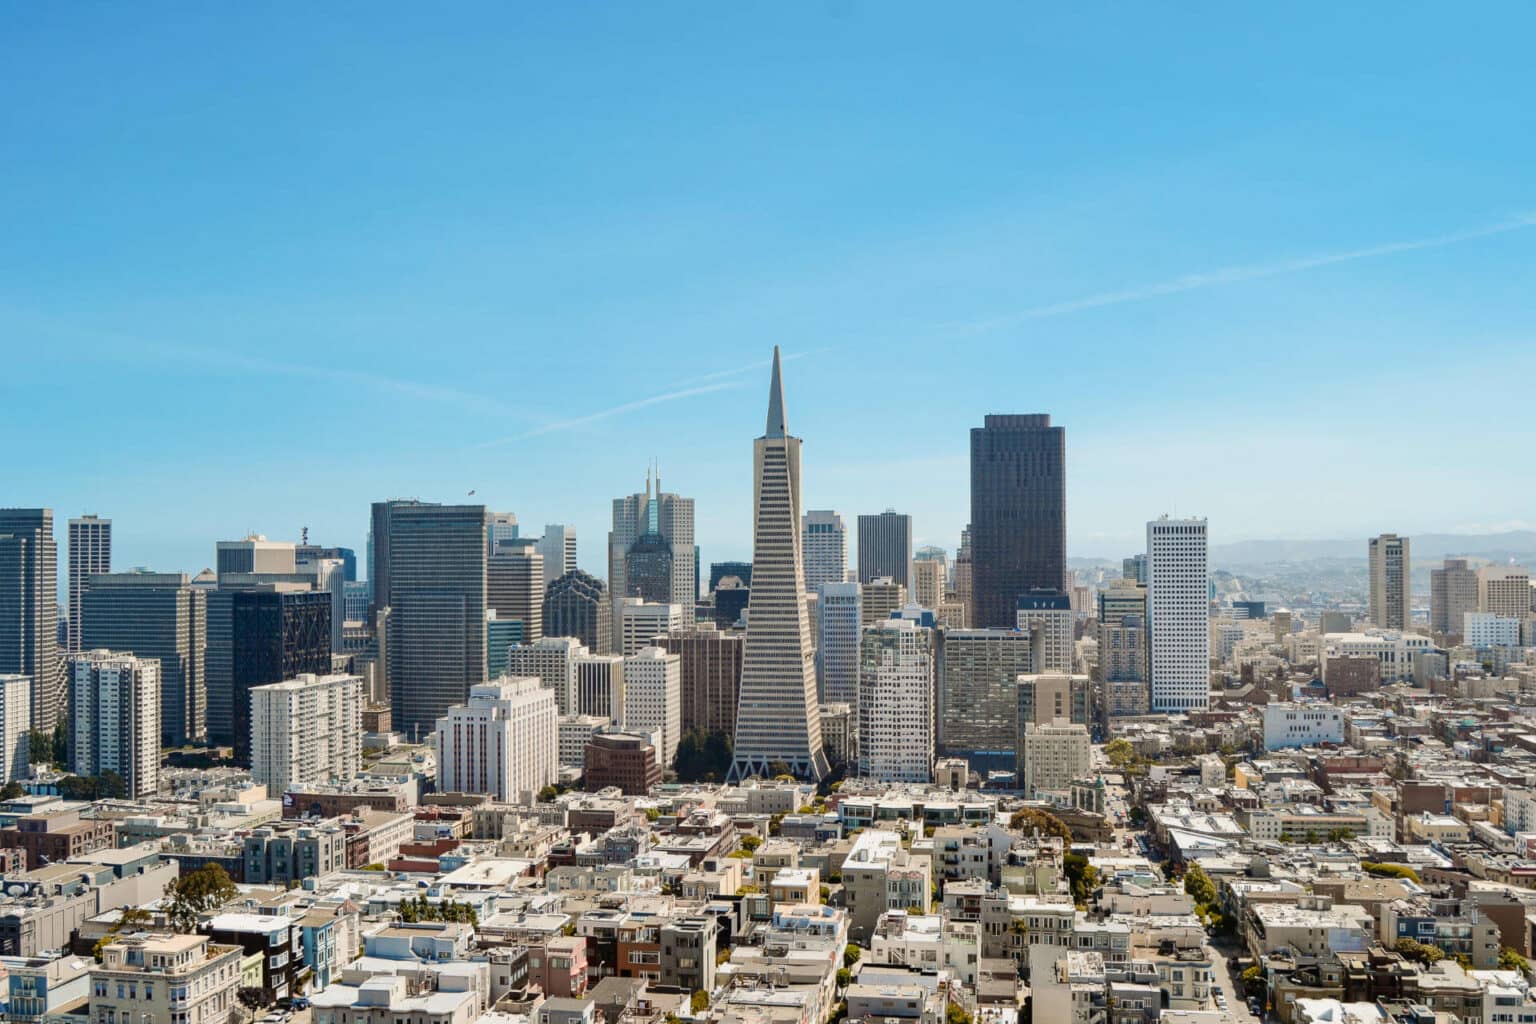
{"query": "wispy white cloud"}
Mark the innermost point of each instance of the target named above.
(1244, 272)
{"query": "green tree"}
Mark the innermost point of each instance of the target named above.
(1030, 819)
(547, 794)
(195, 893)
(1081, 875)
(1199, 886)
(699, 1001)
(954, 1013)
(750, 842)
(1422, 952)
(1253, 982)
(844, 976)
(1389, 870)
(132, 918)
(12, 791)
(1120, 752)
(851, 954)
(1511, 960)
(1340, 835)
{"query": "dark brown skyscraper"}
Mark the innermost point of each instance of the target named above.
(1018, 513)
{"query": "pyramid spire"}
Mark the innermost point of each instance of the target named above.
(777, 427)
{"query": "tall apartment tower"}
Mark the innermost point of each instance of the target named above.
(1178, 614)
(977, 695)
(576, 605)
(1505, 591)
(115, 704)
(503, 741)
(777, 721)
(277, 632)
(90, 552)
(306, 731)
(824, 547)
(1452, 593)
(29, 609)
(1389, 583)
(928, 583)
(157, 615)
(710, 681)
(437, 600)
(558, 549)
(839, 625)
(650, 549)
(1018, 513)
(514, 586)
(15, 720)
(895, 708)
(885, 547)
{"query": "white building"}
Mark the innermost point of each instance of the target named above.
(15, 720)
(1388, 565)
(115, 703)
(653, 698)
(504, 742)
(599, 687)
(558, 546)
(1485, 629)
(575, 732)
(1178, 614)
(1052, 756)
(895, 703)
(306, 730)
(839, 620)
(1048, 618)
(1394, 650)
(823, 548)
(553, 661)
(641, 621)
(165, 978)
(1505, 591)
(1301, 725)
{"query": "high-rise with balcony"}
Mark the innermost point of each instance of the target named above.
(839, 624)
(90, 552)
(1018, 514)
(895, 707)
(115, 704)
(885, 547)
(1178, 614)
(651, 552)
(1388, 564)
(306, 731)
(29, 609)
(824, 548)
(436, 556)
(777, 723)
(977, 695)
(1452, 593)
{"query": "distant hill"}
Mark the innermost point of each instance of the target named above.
(1428, 547)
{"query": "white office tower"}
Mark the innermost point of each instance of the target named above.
(114, 699)
(1047, 616)
(1052, 756)
(576, 731)
(776, 720)
(1505, 591)
(504, 742)
(823, 547)
(1485, 629)
(928, 583)
(90, 552)
(599, 687)
(895, 709)
(1178, 614)
(552, 659)
(640, 622)
(306, 730)
(15, 720)
(653, 698)
(1388, 600)
(558, 549)
(651, 551)
(838, 626)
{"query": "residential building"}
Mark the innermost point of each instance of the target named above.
(306, 730)
(895, 705)
(29, 609)
(776, 721)
(1018, 535)
(1485, 629)
(710, 681)
(558, 549)
(1452, 593)
(1288, 725)
(1047, 616)
(1178, 615)
(881, 875)
(576, 605)
(653, 698)
(640, 622)
(977, 712)
(160, 616)
(824, 548)
(1505, 591)
(651, 551)
(277, 632)
(1389, 585)
(115, 706)
(839, 625)
(504, 742)
(437, 602)
(885, 547)
(15, 720)
(514, 586)
(90, 552)
(552, 660)
(1052, 756)
(1046, 697)
(185, 979)
(272, 936)
(688, 953)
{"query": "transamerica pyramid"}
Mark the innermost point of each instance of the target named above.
(778, 725)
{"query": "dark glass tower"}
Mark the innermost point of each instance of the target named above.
(276, 636)
(1018, 513)
(576, 605)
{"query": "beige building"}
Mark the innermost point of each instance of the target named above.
(928, 583)
(1505, 591)
(1389, 588)
(182, 978)
(1051, 756)
(880, 874)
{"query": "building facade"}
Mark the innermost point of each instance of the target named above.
(895, 707)
(115, 704)
(576, 605)
(1452, 593)
(1505, 591)
(651, 551)
(514, 587)
(1048, 618)
(504, 742)
(277, 632)
(653, 698)
(1388, 564)
(29, 609)
(977, 705)
(306, 730)
(839, 626)
(90, 552)
(558, 549)
(552, 660)
(15, 720)
(640, 622)
(1178, 614)
(1018, 525)
(1052, 756)
(885, 547)
(710, 664)
(824, 548)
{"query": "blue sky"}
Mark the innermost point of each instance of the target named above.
(260, 266)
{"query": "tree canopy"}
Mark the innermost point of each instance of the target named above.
(195, 893)
(1030, 819)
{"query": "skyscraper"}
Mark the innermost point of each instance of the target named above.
(576, 605)
(928, 583)
(710, 663)
(1452, 593)
(277, 633)
(839, 625)
(640, 622)
(1018, 514)
(1178, 614)
(1505, 591)
(157, 615)
(650, 549)
(90, 552)
(115, 704)
(885, 547)
(254, 553)
(777, 721)
(29, 609)
(437, 600)
(15, 720)
(503, 741)
(380, 525)
(895, 710)
(307, 730)
(1389, 584)
(514, 586)
(1047, 616)
(653, 696)
(502, 527)
(977, 703)
(558, 549)
(1134, 568)
(824, 546)
(552, 659)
